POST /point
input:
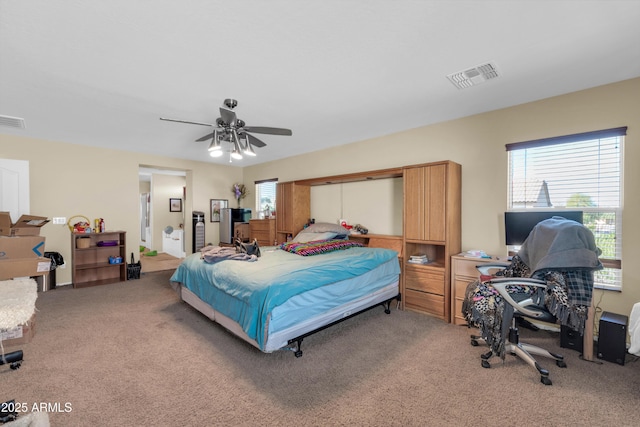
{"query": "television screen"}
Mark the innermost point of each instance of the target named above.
(518, 225)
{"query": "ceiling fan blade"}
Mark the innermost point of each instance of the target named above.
(228, 116)
(254, 141)
(270, 131)
(187, 121)
(205, 138)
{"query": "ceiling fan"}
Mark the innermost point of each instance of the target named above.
(229, 128)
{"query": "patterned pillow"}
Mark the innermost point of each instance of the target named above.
(318, 247)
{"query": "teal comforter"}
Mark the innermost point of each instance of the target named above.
(247, 291)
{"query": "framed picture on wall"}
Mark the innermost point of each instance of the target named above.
(216, 205)
(175, 205)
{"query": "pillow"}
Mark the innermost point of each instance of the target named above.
(304, 236)
(323, 227)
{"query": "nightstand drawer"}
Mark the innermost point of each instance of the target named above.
(425, 280)
(423, 301)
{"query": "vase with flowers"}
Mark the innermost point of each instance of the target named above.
(239, 192)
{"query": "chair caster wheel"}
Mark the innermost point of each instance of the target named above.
(561, 363)
(485, 364)
(474, 343)
(486, 356)
(15, 365)
(545, 380)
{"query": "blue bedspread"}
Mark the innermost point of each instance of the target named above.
(247, 291)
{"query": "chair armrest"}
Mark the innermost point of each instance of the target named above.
(500, 285)
(486, 268)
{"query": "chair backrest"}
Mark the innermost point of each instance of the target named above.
(560, 244)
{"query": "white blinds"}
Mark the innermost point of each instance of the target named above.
(581, 171)
(266, 194)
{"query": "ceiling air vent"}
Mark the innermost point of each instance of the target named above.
(12, 122)
(473, 76)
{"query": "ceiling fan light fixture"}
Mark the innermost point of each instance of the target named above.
(215, 153)
(215, 143)
(236, 154)
(249, 150)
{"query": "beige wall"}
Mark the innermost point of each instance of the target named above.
(68, 179)
(377, 204)
(478, 144)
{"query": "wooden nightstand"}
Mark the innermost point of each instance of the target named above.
(264, 230)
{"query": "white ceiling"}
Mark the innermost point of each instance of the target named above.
(102, 72)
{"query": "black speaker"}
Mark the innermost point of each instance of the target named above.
(570, 338)
(612, 337)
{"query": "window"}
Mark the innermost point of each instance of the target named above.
(575, 171)
(266, 195)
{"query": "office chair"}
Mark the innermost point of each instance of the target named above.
(550, 280)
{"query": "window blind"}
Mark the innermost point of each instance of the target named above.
(266, 194)
(579, 171)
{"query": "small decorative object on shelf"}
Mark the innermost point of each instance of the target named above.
(239, 192)
(78, 226)
(360, 229)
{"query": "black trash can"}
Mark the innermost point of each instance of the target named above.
(56, 260)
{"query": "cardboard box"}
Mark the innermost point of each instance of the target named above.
(21, 247)
(27, 225)
(24, 267)
(19, 335)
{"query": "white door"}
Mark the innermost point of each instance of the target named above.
(14, 187)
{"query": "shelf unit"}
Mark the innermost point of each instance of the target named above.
(432, 218)
(431, 226)
(90, 265)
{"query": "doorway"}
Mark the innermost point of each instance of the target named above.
(157, 187)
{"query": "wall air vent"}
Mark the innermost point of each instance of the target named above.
(473, 76)
(12, 122)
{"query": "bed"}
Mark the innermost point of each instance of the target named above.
(276, 301)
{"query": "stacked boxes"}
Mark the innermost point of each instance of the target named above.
(22, 247)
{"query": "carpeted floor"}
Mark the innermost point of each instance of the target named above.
(132, 354)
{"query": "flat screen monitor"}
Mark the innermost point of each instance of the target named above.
(518, 225)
